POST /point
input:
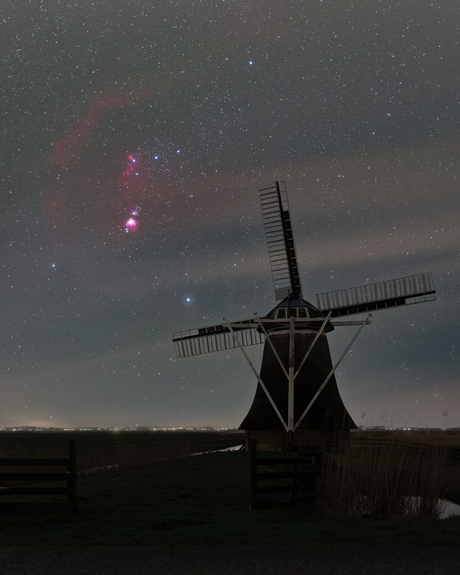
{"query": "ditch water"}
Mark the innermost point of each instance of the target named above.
(233, 448)
(448, 509)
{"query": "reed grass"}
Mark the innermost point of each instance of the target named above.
(392, 479)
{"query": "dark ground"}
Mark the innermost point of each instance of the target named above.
(237, 560)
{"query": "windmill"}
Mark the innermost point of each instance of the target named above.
(297, 397)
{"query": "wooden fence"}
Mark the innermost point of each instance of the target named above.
(26, 470)
(284, 480)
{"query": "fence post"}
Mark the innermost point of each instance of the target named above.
(72, 477)
(295, 469)
(253, 467)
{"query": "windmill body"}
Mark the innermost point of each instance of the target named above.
(328, 415)
(297, 400)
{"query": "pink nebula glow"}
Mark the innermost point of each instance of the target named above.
(131, 225)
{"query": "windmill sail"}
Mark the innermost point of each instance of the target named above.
(216, 338)
(278, 232)
(391, 293)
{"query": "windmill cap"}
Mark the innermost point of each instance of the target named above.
(304, 309)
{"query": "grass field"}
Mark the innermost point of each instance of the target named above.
(100, 452)
(199, 500)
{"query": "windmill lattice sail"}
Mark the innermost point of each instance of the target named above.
(391, 293)
(216, 338)
(280, 242)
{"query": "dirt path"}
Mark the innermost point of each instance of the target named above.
(238, 560)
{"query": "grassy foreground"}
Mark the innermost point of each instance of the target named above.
(200, 500)
(102, 451)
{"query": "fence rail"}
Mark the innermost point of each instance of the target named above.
(39, 469)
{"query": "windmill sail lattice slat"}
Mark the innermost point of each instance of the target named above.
(392, 293)
(215, 338)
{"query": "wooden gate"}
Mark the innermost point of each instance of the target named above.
(285, 479)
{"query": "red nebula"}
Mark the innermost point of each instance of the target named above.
(131, 225)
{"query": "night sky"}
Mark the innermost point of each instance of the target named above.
(134, 135)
